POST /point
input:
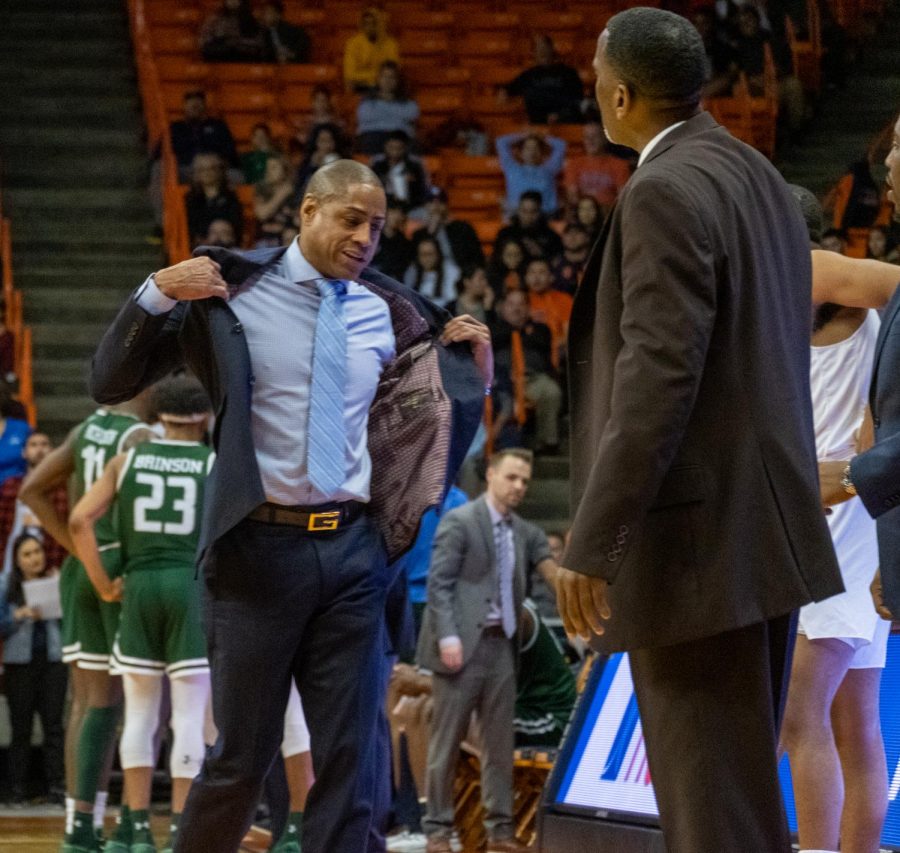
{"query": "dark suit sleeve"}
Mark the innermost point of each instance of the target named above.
(137, 350)
(447, 556)
(669, 305)
(876, 475)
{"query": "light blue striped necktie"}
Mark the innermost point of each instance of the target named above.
(506, 567)
(326, 450)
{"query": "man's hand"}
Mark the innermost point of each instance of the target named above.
(113, 591)
(830, 486)
(197, 278)
(452, 656)
(467, 328)
(878, 598)
(22, 613)
(582, 604)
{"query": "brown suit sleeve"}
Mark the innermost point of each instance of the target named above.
(668, 312)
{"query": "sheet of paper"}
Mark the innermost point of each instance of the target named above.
(44, 593)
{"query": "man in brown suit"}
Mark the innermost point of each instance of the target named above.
(698, 529)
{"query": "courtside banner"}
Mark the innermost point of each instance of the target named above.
(602, 769)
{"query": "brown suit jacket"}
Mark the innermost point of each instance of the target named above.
(694, 479)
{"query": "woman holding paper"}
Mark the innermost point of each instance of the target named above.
(35, 673)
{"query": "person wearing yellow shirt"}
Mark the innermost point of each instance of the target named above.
(367, 50)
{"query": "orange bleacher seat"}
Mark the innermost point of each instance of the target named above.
(467, 172)
(311, 74)
(806, 58)
(553, 23)
(245, 193)
(173, 97)
(245, 98)
(186, 70)
(433, 104)
(295, 98)
(491, 22)
(175, 40)
(417, 18)
(857, 242)
(434, 166)
(424, 43)
(242, 124)
(486, 107)
(487, 230)
(486, 78)
(344, 16)
(170, 12)
(475, 204)
(228, 73)
(306, 16)
(484, 48)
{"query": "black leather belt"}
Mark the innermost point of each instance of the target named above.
(325, 518)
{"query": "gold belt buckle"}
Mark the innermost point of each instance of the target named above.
(320, 521)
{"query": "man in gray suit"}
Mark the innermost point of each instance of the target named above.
(469, 639)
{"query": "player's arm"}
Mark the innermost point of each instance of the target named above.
(38, 487)
(852, 282)
(87, 512)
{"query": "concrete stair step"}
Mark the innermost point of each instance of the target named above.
(70, 305)
(17, 141)
(53, 174)
(47, 110)
(72, 234)
(37, 268)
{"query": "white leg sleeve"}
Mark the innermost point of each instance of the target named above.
(296, 735)
(190, 696)
(143, 695)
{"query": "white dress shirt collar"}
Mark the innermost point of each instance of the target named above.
(296, 267)
(656, 140)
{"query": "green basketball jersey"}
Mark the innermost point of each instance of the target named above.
(160, 502)
(101, 436)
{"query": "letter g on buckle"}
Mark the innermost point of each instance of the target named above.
(322, 521)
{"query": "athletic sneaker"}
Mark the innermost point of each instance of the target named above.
(407, 842)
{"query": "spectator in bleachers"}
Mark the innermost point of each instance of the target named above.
(475, 296)
(597, 172)
(321, 111)
(523, 357)
(14, 432)
(395, 250)
(529, 227)
(403, 174)
(548, 306)
(282, 42)
(275, 202)
(506, 269)
(211, 198)
(750, 52)
(457, 238)
(834, 240)
(35, 674)
(855, 201)
(568, 267)
(7, 348)
(221, 233)
(881, 247)
(461, 131)
(232, 34)
(552, 90)
(388, 108)
(589, 216)
(198, 133)
(531, 162)
(719, 53)
(367, 50)
(326, 143)
(262, 146)
(431, 274)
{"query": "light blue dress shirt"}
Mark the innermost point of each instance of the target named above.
(278, 313)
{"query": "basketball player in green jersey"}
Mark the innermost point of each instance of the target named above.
(89, 624)
(156, 491)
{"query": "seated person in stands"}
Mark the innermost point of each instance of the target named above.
(321, 111)
(568, 267)
(431, 274)
(475, 296)
(262, 146)
(282, 42)
(221, 233)
(530, 378)
(881, 246)
(457, 238)
(750, 53)
(529, 226)
(403, 174)
(552, 90)
(232, 34)
(545, 686)
(719, 53)
(395, 250)
(531, 162)
(7, 348)
(589, 216)
(197, 133)
(385, 110)
(275, 202)
(506, 269)
(367, 50)
(548, 306)
(211, 198)
(597, 172)
(326, 143)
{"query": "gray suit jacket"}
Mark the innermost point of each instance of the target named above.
(462, 579)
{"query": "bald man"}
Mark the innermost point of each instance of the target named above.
(344, 404)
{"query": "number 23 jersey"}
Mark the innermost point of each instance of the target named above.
(160, 503)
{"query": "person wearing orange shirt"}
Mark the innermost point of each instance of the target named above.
(596, 173)
(548, 306)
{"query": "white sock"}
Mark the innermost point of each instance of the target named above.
(100, 808)
(70, 815)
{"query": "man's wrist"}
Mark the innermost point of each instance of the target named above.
(847, 481)
(152, 299)
(449, 642)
